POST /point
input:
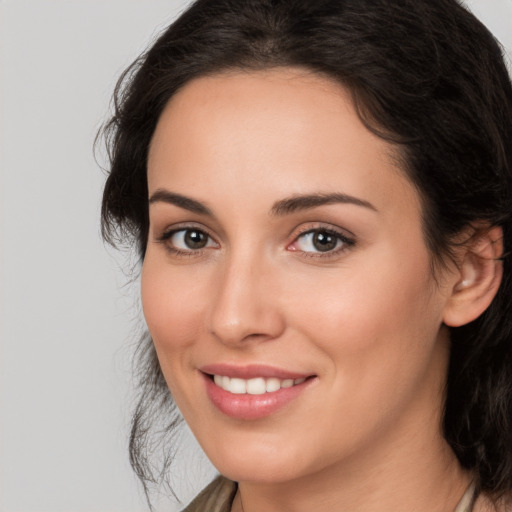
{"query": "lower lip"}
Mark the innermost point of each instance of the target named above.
(252, 407)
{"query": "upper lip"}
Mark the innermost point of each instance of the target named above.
(251, 371)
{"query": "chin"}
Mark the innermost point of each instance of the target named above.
(258, 472)
(261, 462)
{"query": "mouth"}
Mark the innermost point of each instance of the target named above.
(254, 386)
(253, 392)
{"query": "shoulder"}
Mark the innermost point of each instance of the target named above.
(216, 497)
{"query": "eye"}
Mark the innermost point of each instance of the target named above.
(320, 241)
(189, 239)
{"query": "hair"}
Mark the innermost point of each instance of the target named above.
(426, 76)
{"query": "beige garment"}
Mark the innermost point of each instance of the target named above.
(219, 495)
(216, 497)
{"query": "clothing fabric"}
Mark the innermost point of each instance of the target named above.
(218, 497)
(468, 500)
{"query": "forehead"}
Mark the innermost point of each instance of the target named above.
(280, 131)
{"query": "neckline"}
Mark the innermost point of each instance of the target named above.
(467, 501)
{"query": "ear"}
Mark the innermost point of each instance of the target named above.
(478, 277)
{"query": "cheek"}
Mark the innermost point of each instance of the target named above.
(373, 313)
(170, 301)
(174, 317)
(379, 332)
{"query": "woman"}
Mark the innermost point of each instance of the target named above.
(320, 194)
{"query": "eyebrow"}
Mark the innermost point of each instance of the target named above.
(308, 201)
(280, 208)
(164, 196)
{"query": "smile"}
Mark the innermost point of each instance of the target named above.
(255, 386)
(253, 392)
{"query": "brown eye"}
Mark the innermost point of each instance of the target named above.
(189, 240)
(321, 241)
(195, 239)
(324, 241)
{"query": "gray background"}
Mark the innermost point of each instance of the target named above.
(68, 323)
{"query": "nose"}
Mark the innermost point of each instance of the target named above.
(246, 306)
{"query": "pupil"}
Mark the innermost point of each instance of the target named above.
(324, 241)
(195, 239)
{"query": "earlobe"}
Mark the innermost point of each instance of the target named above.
(479, 277)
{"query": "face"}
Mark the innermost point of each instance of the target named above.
(286, 283)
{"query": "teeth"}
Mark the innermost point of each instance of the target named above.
(256, 386)
(287, 383)
(273, 385)
(238, 386)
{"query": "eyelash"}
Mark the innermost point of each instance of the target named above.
(346, 242)
(167, 235)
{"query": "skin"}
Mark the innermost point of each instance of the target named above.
(366, 318)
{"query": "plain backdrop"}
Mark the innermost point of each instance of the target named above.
(68, 321)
